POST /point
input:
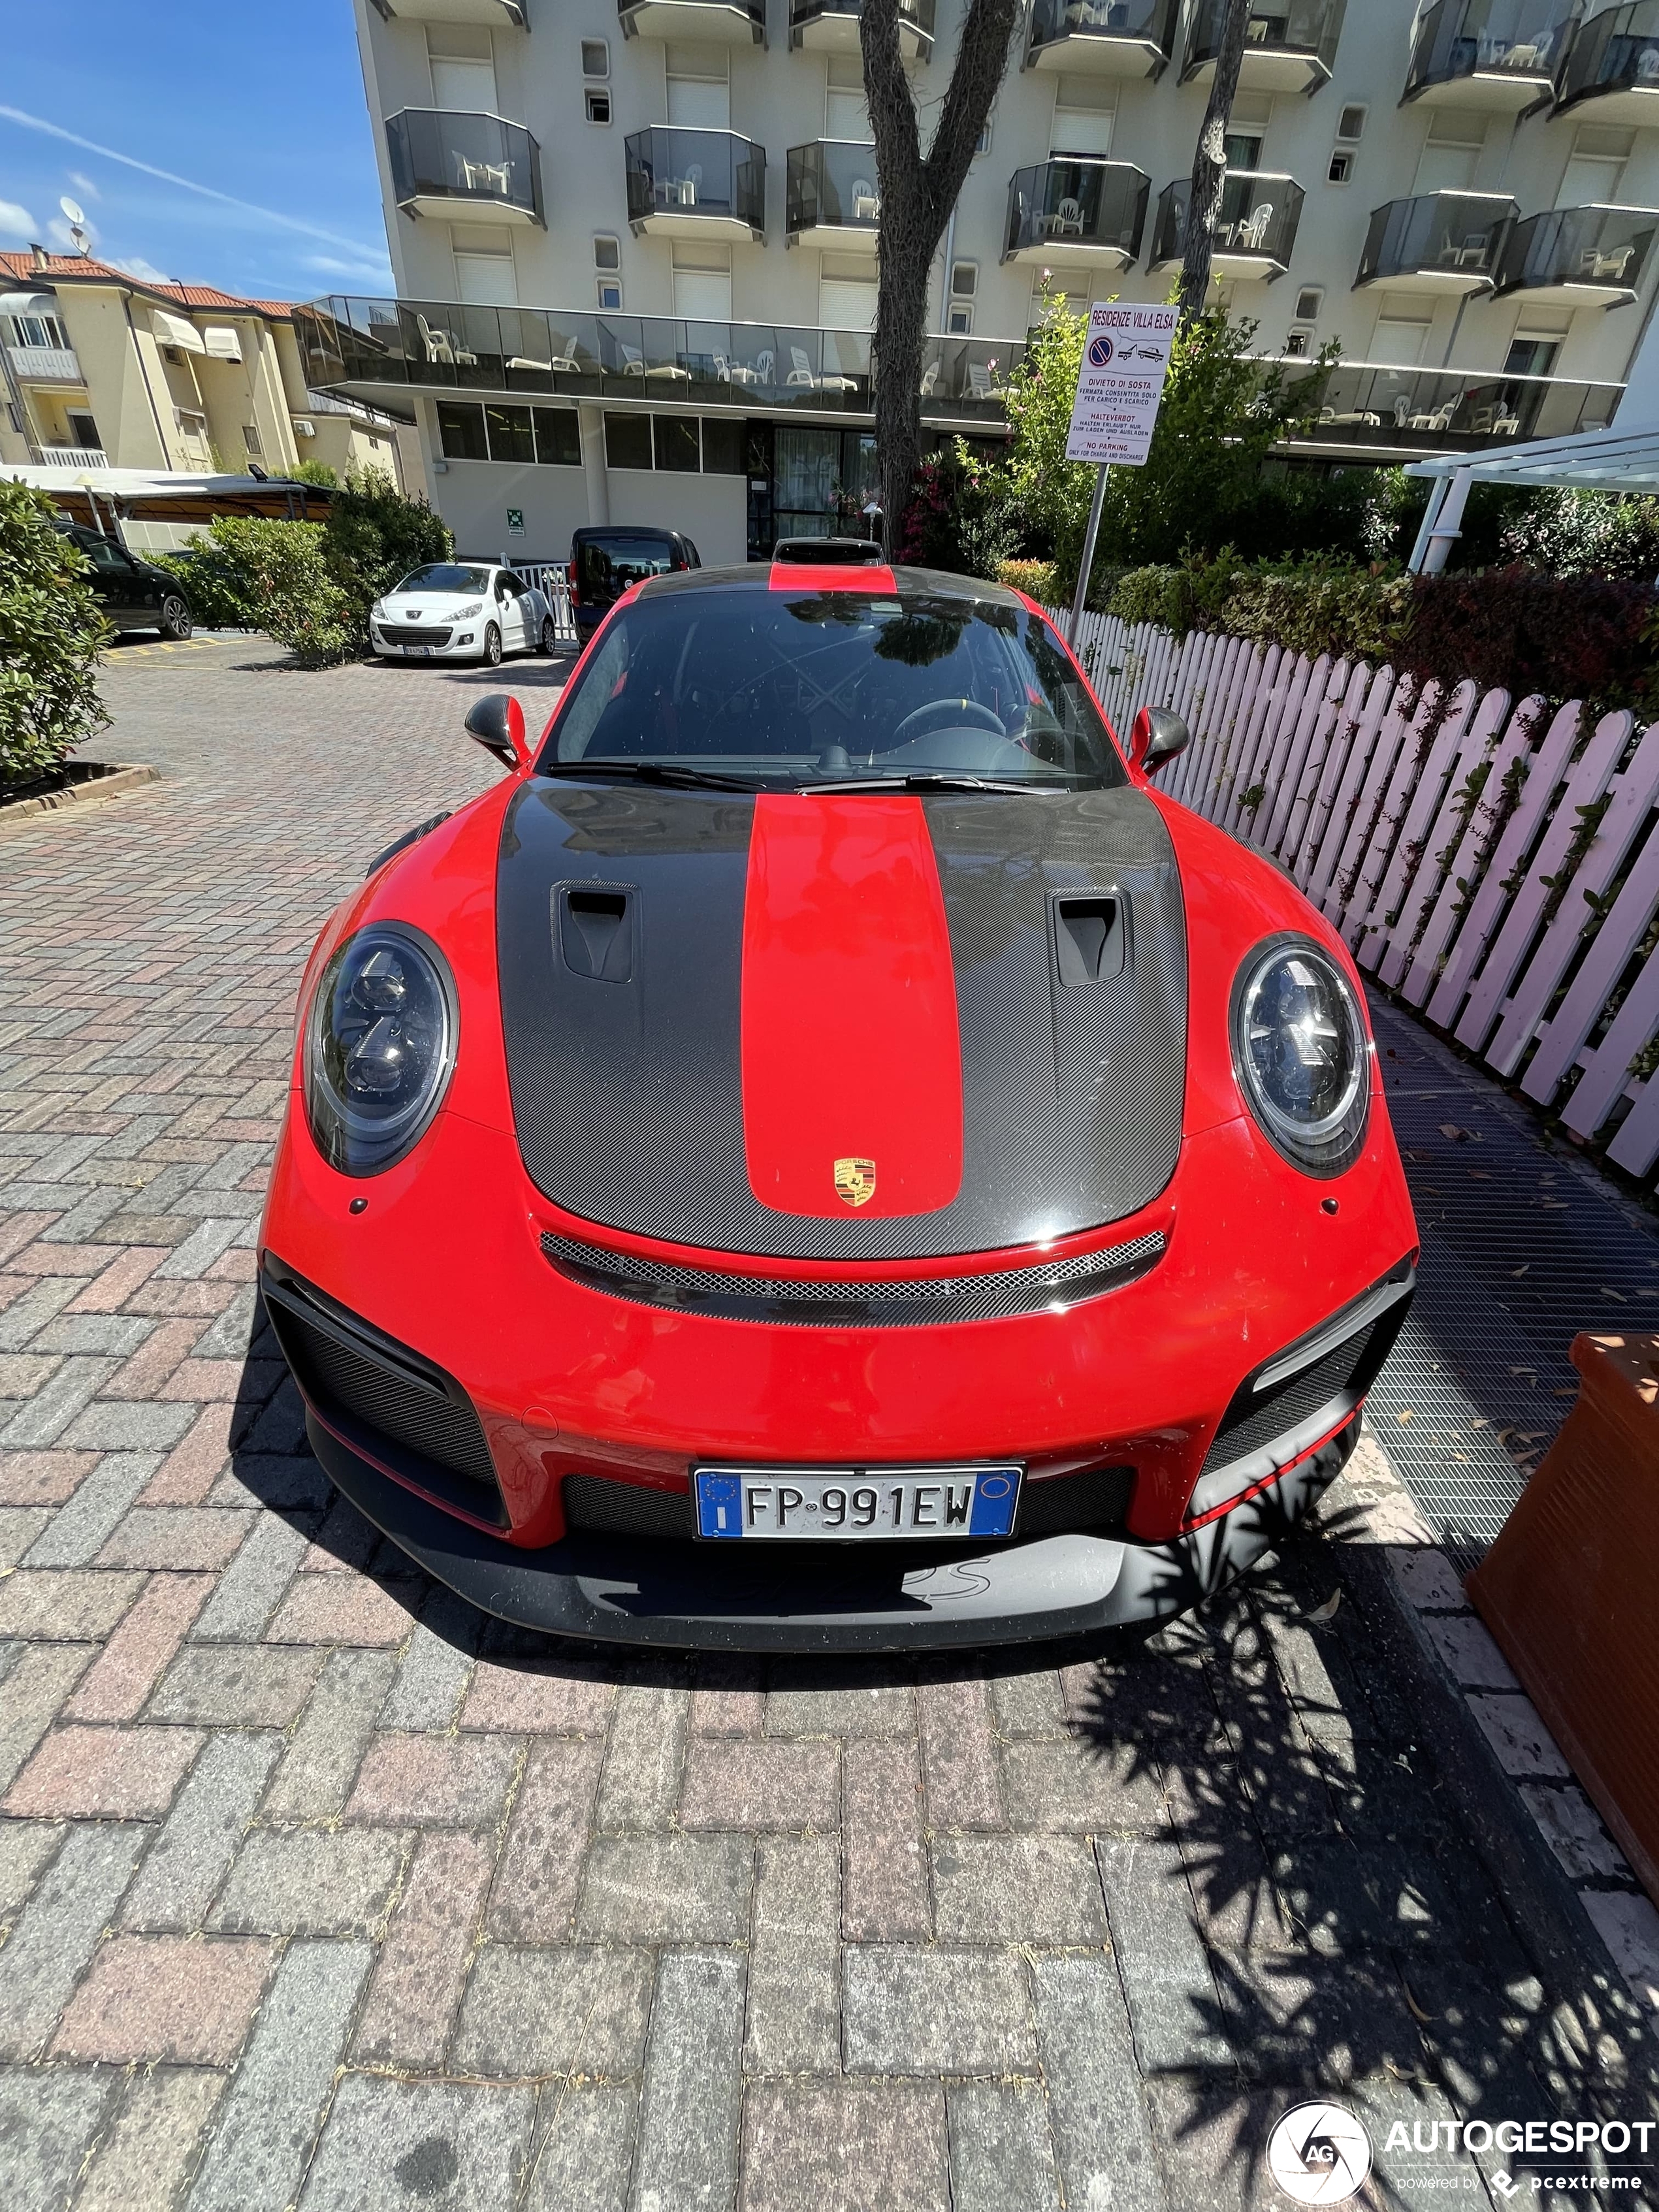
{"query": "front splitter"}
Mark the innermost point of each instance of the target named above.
(629, 1590)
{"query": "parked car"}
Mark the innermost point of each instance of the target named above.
(605, 560)
(825, 1155)
(134, 594)
(462, 610)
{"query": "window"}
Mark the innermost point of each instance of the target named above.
(598, 104)
(610, 294)
(484, 274)
(984, 144)
(699, 88)
(251, 439)
(1400, 340)
(462, 68)
(511, 435)
(558, 441)
(1299, 341)
(723, 446)
(1242, 150)
(1309, 300)
(193, 425)
(39, 331)
(1531, 356)
(596, 58)
(1341, 167)
(1449, 155)
(1084, 109)
(1596, 168)
(846, 113)
(964, 279)
(675, 439)
(959, 307)
(607, 254)
(461, 429)
(84, 432)
(702, 283)
(628, 441)
(1351, 124)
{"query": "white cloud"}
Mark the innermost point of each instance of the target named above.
(17, 221)
(84, 185)
(135, 265)
(377, 272)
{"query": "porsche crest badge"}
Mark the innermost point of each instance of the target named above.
(855, 1181)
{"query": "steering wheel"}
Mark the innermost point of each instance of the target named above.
(946, 715)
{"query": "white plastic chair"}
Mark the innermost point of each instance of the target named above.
(866, 207)
(801, 376)
(1068, 219)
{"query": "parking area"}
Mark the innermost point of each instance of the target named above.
(318, 1888)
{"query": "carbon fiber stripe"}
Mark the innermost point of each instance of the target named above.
(919, 1303)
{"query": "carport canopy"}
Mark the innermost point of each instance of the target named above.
(1601, 460)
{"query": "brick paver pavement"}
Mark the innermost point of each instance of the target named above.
(316, 1887)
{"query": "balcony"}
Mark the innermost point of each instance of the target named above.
(830, 196)
(70, 457)
(1580, 257)
(496, 12)
(376, 352)
(1289, 45)
(33, 364)
(1614, 61)
(833, 25)
(1379, 412)
(1440, 242)
(1495, 56)
(721, 23)
(1102, 38)
(695, 183)
(1093, 211)
(443, 161)
(1254, 230)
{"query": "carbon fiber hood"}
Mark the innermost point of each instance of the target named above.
(627, 1092)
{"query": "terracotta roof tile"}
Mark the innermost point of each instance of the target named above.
(20, 268)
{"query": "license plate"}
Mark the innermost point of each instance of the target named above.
(420, 652)
(834, 1504)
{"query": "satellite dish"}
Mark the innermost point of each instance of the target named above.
(72, 209)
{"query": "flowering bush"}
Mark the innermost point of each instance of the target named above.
(1038, 580)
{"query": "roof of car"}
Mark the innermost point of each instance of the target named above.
(847, 576)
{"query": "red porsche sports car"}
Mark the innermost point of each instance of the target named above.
(824, 1155)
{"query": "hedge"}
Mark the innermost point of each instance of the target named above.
(52, 632)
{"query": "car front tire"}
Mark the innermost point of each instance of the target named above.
(491, 655)
(550, 636)
(175, 621)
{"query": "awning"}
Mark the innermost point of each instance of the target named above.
(1622, 459)
(28, 303)
(224, 343)
(173, 330)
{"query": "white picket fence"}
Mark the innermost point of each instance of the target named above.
(552, 580)
(1495, 863)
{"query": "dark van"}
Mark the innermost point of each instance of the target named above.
(606, 558)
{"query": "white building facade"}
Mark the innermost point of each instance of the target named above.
(635, 240)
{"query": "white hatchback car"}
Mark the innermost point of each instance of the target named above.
(462, 610)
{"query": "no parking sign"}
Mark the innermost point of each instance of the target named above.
(1126, 357)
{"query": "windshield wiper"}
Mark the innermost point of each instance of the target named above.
(669, 772)
(934, 779)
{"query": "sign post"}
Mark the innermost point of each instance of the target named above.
(1126, 358)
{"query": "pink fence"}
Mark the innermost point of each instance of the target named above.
(1495, 863)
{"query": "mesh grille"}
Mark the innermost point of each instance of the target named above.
(413, 636)
(422, 1416)
(1096, 1499)
(914, 1303)
(1256, 1418)
(590, 1501)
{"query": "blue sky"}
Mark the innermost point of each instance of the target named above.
(259, 102)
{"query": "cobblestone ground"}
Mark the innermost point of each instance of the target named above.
(316, 1887)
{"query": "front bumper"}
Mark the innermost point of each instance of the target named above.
(629, 1590)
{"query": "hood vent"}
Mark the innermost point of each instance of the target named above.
(596, 931)
(1089, 936)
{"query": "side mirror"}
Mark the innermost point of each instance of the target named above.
(1157, 735)
(497, 722)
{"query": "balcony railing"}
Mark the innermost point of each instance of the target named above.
(46, 364)
(1254, 230)
(1120, 38)
(1372, 405)
(71, 456)
(1488, 53)
(1064, 206)
(440, 346)
(835, 23)
(831, 186)
(1442, 241)
(681, 179)
(1614, 60)
(1584, 253)
(1289, 45)
(442, 158)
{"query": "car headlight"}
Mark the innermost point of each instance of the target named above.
(465, 614)
(1300, 1051)
(381, 1042)
(377, 612)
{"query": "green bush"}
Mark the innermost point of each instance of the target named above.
(285, 569)
(1038, 580)
(375, 536)
(52, 632)
(221, 596)
(1586, 532)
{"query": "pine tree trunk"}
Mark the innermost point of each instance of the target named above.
(1209, 163)
(917, 195)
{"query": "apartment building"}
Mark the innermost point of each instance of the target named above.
(101, 371)
(635, 240)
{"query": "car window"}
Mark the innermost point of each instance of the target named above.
(108, 559)
(609, 565)
(807, 686)
(445, 576)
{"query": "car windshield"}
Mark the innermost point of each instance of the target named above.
(788, 688)
(612, 564)
(445, 576)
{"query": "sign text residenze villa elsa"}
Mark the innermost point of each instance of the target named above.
(1126, 357)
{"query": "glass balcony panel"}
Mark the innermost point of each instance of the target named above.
(1440, 241)
(1092, 208)
(1614, 61)
(1588, 252)
(1119, 38)
(1289, 45)
(835, 24)
(1255, 228)
(441, 158)
(831, 186)
(1383, 408)
(1495, 54)
(696, 180)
